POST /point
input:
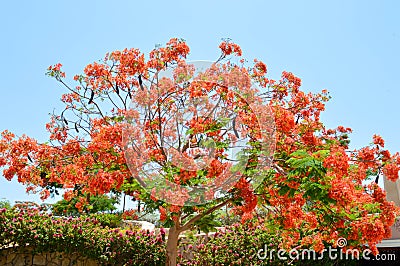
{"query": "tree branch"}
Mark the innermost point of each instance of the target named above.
(199, 216)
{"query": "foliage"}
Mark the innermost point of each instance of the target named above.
(234, 245)
(129, 215)
(5, 204)
(207, 223)
(83, 235)
(95, 204)
(111, 220)
(239, 244)
(227, 217)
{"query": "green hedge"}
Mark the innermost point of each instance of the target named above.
(236, 245)
(239, 245)
(84, 235)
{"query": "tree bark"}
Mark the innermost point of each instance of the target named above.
(172, 246)
(173, 234)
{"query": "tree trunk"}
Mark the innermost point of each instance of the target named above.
(123, 205)
(173, 234)
(172, 246)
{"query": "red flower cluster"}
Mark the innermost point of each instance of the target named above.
(229, 48)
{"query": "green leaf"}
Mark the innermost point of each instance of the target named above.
(189, 131)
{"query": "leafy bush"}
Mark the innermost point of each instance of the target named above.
(5, 204)
(236, 245)
(112, 220)
(239, 244)
(83, 235)
(99, 203)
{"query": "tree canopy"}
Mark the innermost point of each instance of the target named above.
(188, 141)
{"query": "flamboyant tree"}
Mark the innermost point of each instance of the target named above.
(188, 139)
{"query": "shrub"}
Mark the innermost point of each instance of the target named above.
(5, 204)
(98, 203)
(84, 235)
(239, 244)
(235, 245)
(112, 220)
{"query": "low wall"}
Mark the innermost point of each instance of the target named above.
(17, 256)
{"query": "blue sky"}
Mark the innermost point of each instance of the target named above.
(351, 48)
